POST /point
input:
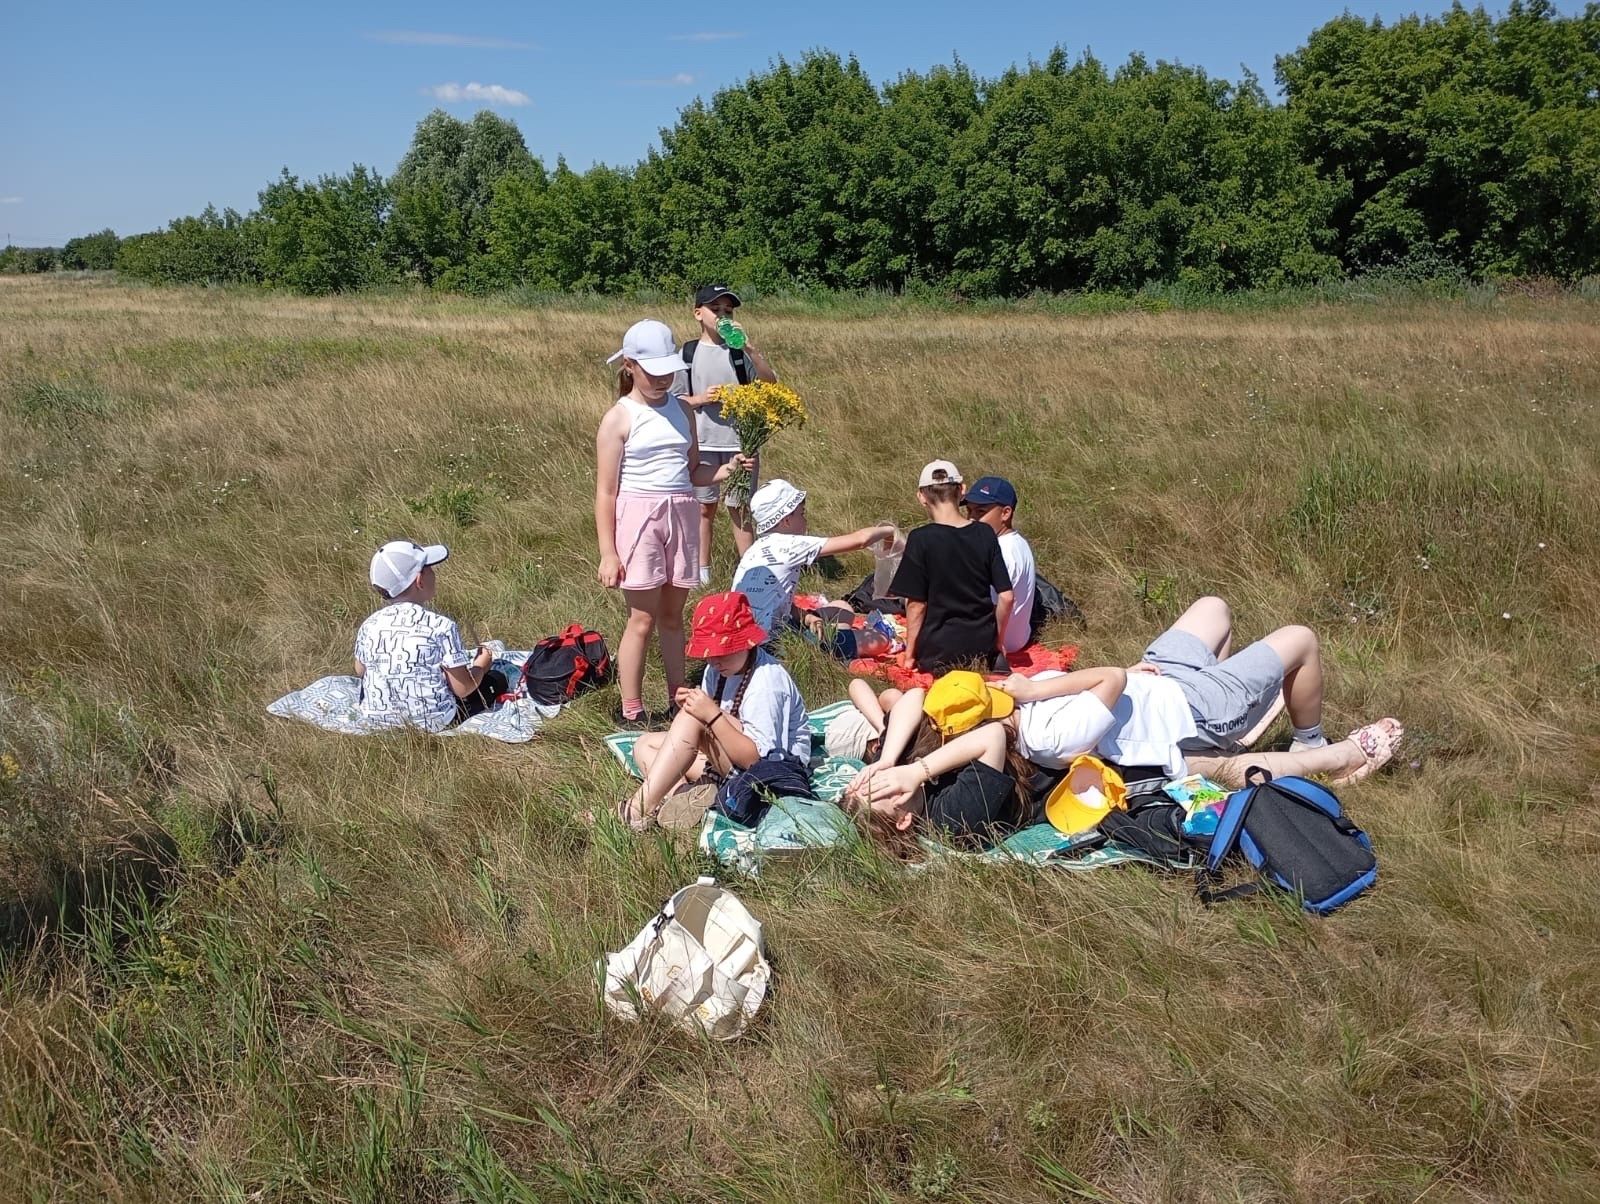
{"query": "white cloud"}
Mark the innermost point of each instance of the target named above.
(10, 200)
(704, 36)
(680, 80)
(466, 41)
(489, 94)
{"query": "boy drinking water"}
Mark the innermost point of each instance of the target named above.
(711, 364)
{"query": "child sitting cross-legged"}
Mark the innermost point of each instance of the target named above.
(413, 667)
(767, 573)
(745, 726)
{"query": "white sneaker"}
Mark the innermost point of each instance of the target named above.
(705, 574)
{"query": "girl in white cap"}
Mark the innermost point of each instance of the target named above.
(645, 514)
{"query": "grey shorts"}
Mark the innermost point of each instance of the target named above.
(1228, 698)
(708, 494)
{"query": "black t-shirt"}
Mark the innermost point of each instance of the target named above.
(952, 569)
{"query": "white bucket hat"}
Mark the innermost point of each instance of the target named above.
(774, 502)
(650, 344)
(399, 562)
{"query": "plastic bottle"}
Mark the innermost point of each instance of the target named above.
(886, 561)
(731, 333)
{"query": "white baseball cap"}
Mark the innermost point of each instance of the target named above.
(939, 472)
(652, 345)
(397, 564)
(774, 502)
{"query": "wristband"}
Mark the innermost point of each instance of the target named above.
(927, 774)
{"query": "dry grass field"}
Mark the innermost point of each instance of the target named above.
(370, 975)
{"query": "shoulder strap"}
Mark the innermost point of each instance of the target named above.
(687, 353)
(743, 370)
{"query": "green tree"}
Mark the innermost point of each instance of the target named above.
(91, 252)
(326, 237)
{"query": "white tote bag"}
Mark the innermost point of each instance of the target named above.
(701, 963)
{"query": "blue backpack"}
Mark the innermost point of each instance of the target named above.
(1295, 834)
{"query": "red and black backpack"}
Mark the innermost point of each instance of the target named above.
(561, 667)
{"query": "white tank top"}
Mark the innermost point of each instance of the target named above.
(655, 455)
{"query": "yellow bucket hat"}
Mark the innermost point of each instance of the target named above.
(1090, 791)
(961, 700)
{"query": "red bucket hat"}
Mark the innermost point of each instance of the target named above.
(723, 623)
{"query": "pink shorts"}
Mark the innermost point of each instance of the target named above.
(658, 539)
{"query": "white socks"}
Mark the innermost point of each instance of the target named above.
(1308, 737)
(705, 574)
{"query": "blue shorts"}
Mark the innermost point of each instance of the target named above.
(1227, 698)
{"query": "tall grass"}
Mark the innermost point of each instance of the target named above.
(366, 970)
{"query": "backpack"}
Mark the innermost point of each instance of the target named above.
(1050, 603)
(743, 370)
(1296, 836)
(560, 667)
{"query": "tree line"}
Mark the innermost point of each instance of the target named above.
(1466, 143)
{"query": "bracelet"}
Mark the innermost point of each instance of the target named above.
(927, 774)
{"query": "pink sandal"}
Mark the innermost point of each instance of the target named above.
(1377, 742)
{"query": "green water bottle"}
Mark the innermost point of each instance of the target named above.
(731, 333)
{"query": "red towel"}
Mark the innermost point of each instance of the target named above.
(1033, 659)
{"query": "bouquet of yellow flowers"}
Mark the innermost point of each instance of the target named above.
(757, 411)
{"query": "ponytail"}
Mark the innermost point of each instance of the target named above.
(624, 380)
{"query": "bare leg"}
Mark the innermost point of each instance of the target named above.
(643, 606)
(865, 699)
(1210, 620)
(1331, 759)
(677, 752)
(708, 516)
(673, 600)
(646, 749)
(1301, 654)
(743, 533)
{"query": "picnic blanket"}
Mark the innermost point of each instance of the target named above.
(1028, 661)
(829, 775)
(331, 704)
(800, 825)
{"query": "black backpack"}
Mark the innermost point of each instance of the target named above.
(743, 369)
(1050, 603)
(560, 667)
(1297, 837)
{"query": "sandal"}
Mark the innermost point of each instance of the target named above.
(641, 821)
(1377, 742)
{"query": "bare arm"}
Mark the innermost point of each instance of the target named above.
(361, 670)
(902, 725)
(467, 678)
(723, 728)
(856, 540)
(915, 613)
(1106, 683)
(1002, 616)
(608, 473)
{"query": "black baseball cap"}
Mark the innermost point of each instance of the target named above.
(708, 293)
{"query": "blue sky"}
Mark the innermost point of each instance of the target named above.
(128, 115)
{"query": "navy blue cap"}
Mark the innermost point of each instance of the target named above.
(992, 491)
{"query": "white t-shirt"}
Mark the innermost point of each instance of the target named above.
(406, 648)
(1144, 728)
(767, 574)
(1019, 565)
(773, 713)
(712, 366)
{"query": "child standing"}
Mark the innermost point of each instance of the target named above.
(710, 364)
(644, 507)
(413, 667)
(993, 502)
(954, 580)
(769, 569)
